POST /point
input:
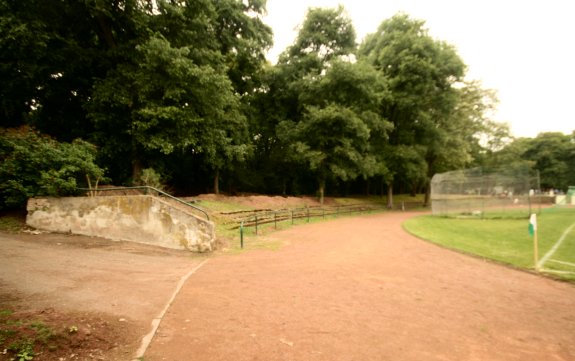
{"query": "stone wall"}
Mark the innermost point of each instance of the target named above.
(143, 219)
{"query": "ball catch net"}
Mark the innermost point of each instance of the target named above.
(479, 193)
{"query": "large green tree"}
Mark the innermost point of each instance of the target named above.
(422, 74)
(332, 106)
(163, 103)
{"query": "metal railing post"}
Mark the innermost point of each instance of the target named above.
(242, 235)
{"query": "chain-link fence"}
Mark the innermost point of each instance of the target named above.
(492, 194)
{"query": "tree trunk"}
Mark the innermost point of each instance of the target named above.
(105, 32)
(321, 191)
(136, 169)
(136, 160)
(413, 192)
(427, 200)
(390, 195)
(217, 182)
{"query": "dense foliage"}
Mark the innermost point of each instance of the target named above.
(182, 88)
(32, 164)
(551, 154)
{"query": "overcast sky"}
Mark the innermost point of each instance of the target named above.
(523, 49)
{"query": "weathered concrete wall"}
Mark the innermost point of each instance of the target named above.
(143, 219)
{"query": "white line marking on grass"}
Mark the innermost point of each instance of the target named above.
(562, 262)
(156, 321)
(555, 247)
(558, 272)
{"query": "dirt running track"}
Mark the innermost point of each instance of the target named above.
(363, 289)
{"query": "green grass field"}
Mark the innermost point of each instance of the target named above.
(506, 240)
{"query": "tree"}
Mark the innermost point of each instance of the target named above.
(244, 40)
(326, 34)
(333, 142)
(163, 103)
(332, 103)
(486, 137)
(358, 88)
(552, 155)
(51, 52)
(32, 165)
(421, 74)
(271, 104)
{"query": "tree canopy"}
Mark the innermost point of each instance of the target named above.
(182, 89)
(551, 153)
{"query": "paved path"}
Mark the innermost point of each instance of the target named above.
(363, 289)
(79, 278)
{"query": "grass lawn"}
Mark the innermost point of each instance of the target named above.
(506, 240)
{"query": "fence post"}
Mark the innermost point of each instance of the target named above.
(275, 220)
(292, 217)
(256, 225)
(242, 235)
(308, 215)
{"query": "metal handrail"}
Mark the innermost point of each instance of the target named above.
(149, 188)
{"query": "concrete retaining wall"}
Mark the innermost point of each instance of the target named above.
(143, 219)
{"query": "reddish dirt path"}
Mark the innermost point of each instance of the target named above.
(363, 289)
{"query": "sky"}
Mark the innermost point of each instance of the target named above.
(522, 49)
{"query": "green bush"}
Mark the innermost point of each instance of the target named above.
(32, 164)
(151, 178)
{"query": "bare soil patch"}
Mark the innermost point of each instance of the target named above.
(50, 334)
(267, 202)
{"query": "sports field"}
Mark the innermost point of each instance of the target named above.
(508, 240)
